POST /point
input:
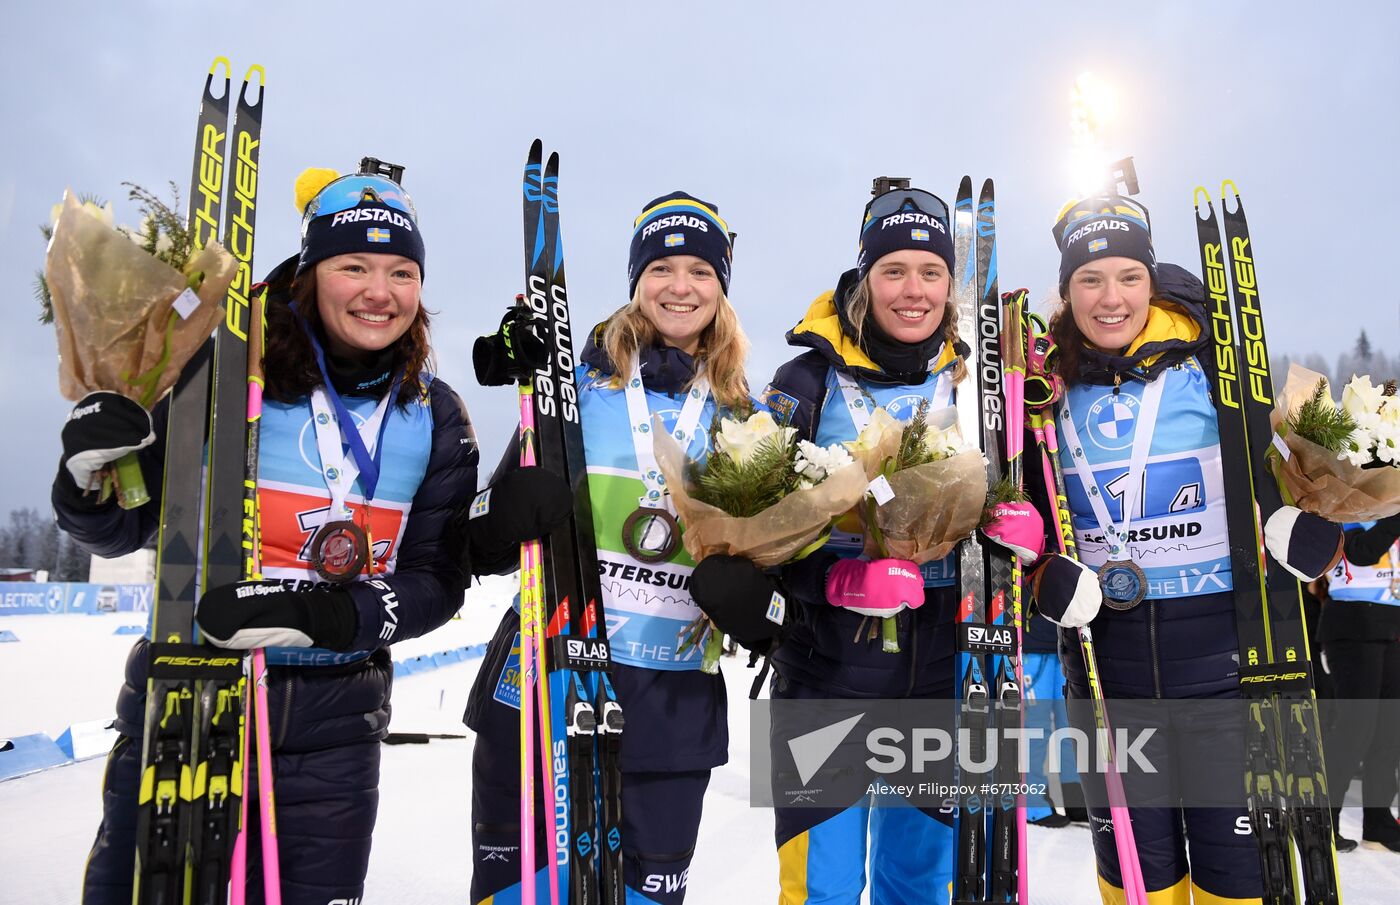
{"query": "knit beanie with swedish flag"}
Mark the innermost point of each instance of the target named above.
(679, 224)
(1102, 226)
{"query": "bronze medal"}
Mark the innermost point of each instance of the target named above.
(1124, 584)
(339, 551)
(651, 535)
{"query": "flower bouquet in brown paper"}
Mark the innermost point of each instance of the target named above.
(760, 493)
(1341, 462)
(927, 489)
(129, 307)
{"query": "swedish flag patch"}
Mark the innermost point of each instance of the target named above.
(375, 234)
(1098, 244)
(674, 239)
(918, 235)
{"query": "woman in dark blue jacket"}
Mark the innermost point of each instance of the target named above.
(347, 344)
(1141, 453)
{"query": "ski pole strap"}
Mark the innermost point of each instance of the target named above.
(639, 414)
(367, 463)
(1144, 425)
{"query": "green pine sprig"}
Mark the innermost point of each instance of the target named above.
(747, 488)
(912, 451)
(161, 219)
(1321, 421)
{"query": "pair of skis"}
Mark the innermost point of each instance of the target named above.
(191, 807)
(990, 853)
(565, 695)
(1286, 785)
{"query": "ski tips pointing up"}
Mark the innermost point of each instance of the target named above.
(1201, 192)
(221, 61)
(1228, 189)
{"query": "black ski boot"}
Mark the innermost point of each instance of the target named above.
(1379, 829)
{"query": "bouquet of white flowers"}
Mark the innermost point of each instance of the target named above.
(1341, 462)
(761, 494)
(130, 307)
(927, 489)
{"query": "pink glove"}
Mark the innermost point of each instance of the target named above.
(1019, 528)
(880, 587)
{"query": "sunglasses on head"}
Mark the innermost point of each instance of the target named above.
(350, 191)
(893, 202)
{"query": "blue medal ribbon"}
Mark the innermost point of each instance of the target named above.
(369, 465)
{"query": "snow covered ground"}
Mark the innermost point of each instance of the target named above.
(66, 669)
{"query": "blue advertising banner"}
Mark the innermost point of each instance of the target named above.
(27, 598)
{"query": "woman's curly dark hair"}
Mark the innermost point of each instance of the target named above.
(289, 365)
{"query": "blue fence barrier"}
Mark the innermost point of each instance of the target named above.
(27, 598)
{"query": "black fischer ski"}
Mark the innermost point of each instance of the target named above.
(190, 790)
(218, 766)
(1286, 787)
(591, 718)
(985, 570)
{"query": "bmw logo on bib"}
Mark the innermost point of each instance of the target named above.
(1111, 421)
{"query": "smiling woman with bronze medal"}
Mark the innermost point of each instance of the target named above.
(1139, 448)
(364, 461)
(673, 355)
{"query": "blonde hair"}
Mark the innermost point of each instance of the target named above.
(723, 348)
(858, 307)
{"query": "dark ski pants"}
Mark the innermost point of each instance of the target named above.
(1205, 854)
(326, 806)
(1365, 723)
(660, 824)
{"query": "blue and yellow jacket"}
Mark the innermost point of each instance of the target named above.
(826, 647)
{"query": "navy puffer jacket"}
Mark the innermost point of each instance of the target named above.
(1174, 648)
(321, 706)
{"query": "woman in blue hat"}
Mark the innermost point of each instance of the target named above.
(1141, 453)
(886, 336)
(675, 351)
(365, 461)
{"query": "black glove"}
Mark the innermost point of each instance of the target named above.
(1306, 545)
(737, 596)
(101, 429)
(524, 504)
(1066, 591)
(248, 614)
(514, 352)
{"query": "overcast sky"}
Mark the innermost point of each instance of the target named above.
(779, 112)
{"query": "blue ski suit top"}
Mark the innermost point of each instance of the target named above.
(322, 699)
(1181, 640)
(824, 647)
